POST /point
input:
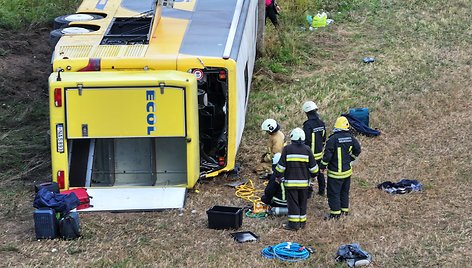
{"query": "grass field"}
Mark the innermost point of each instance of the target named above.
(419, 93)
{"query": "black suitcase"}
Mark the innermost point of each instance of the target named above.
(51, 186)
(69, 226)
(45, 223)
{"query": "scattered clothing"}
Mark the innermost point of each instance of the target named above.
(353, 255)
(360, 127)
(402, 187)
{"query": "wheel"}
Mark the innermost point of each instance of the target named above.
(63, 21)
(55, 35)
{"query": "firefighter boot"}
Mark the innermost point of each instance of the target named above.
(302, 225)
(291, 226)
(332, 217)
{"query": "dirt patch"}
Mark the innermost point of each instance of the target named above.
(24, 65)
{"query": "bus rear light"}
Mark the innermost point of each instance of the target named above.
(61, 179)
(58, 97)
(222, 75)
(93, 65)
(221, 160)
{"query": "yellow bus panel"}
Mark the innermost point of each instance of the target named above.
(136, 112)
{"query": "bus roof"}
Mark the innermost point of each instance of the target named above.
(200, 28)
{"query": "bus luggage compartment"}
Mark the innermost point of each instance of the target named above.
(129, 129)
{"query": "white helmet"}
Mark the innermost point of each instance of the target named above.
(276, 158)
(309, 106)
(269, 125)
(297, 134)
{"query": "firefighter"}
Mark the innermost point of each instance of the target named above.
(275, 145)
(315, 137)
(340, 150)
(274, 193)
(297, 164)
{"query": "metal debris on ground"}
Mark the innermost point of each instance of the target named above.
(235, 184)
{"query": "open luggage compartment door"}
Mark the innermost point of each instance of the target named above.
(136, 199)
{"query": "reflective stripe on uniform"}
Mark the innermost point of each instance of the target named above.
(313, 142)
(279, 201)
(295, 218)
(296, 183)
(335, 212)
(350, 152)
(283, 192)
(314, 169)
(339, 175)
(344, 209)
(324, 163)
(318, 156)
(340, 160)
(280, 168)
(297, 158)
(303, 218)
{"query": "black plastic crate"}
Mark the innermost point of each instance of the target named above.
(221, 217)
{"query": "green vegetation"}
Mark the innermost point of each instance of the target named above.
(9, 248)
(408, 40)
(21, 14)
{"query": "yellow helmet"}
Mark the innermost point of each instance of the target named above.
(342, 123)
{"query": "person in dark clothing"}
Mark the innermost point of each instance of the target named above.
(271, 11)
(297, 164)
(340, 150)
(274, 193)
(315, 137)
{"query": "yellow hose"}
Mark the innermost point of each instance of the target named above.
(247, 192)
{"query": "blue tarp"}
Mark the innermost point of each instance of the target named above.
(361, 127)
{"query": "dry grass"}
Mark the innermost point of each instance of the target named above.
(419, 92)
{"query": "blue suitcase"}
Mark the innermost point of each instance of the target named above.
(361, 114)
(45, 223)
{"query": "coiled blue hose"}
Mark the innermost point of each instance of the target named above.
(286, 251)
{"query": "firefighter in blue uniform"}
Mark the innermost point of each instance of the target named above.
(297, 164)
(315, 137)
(340, 150)
(274, 193)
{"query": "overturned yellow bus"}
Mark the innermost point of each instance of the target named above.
(146, 97)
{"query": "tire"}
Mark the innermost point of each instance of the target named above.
(55, 35)
(63, 21)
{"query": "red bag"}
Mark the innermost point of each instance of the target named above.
(83, 196)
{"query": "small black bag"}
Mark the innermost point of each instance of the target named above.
(69, 226)
(51, 186)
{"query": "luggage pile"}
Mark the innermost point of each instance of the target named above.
(55, 214)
